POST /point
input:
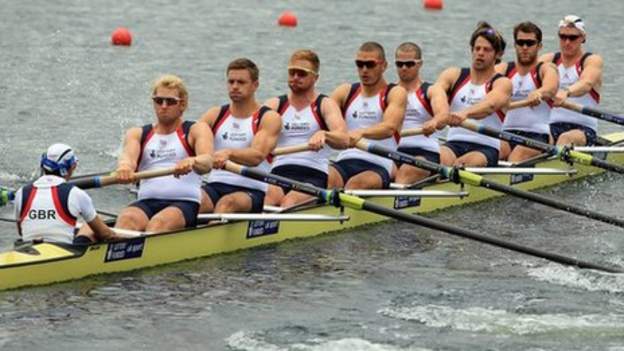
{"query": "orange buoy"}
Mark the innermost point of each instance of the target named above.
(287, 19)
(121, 36)
(433, 4)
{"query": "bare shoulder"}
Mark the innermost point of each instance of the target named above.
(272, 103)
(341, 92)
(501, 67)
(547, 57)
(210, 115)
(397, 93)
(594, 59)
(134, 133)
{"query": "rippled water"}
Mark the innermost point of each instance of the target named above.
(386, 287)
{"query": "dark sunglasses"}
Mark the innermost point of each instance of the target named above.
(170, 101)
(526, 42)
(570, 37)
(408, 64)
(367, 64)
(297, 73)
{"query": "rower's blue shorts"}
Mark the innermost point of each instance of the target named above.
(218, 190)
(460, 148)
(152, 206)
(302, 174)
(558, 128)
(353, 166)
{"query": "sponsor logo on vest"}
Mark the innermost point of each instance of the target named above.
(127, 249)
(224, 136)
(261, 228)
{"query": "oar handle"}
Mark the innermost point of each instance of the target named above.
(518, 104)
(411, 132)
(290, 149)
(101, 181)
(233, 167)
(572, 106)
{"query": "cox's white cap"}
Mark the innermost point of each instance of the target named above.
(573, 21)
(58, 159)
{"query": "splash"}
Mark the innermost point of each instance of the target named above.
(585, 279)
(478, 319)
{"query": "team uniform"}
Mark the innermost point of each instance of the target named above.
(298, 127)
(563, 120)
(417, 112)
(165, 151)
(462, 95)
(49, 208)
(528, 122)
(363, 112)
(236, 133)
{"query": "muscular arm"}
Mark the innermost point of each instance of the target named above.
(210, 116)
(202, 142)
(263, 142)
(340, 94)
(392, 117)
(127, 163)
(336, 136)
(496, 99)
(591, 77)
(439, 105)
(101, 231)
(550, 80)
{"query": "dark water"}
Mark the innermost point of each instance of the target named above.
(387, 287)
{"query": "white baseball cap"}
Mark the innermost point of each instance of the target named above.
(573, 21)
(59, 158)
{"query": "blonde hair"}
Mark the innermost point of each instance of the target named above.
(171, 81)
(307, 55)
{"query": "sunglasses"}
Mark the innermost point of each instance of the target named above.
(407, 64)
(526, 42)
(570, 37)
(368, 64)
(170, 101)
(298, 73)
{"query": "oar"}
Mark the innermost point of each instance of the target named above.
(461, 176)
(101, 181)
(341, 199)
(592, 112)
(564, 153)
(304, 147)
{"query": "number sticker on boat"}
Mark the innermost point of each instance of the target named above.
(261, 228)
(405, 201)
(132, 248)
(520, 178)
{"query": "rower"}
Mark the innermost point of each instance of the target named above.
(580, 80)
(170, 202)
(48, 208)
(427, 108)
(246, 133)
(373, 110)
(533, 82)
(476, 93)
(309, 118)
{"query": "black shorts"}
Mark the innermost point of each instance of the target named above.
(558, 128)
(353, 166)
(152, 206)
(544, 138)
(416, 151)
(461, 148)
(218, 190)
(302, 174)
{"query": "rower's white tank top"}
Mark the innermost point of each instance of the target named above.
(468, 95)
(164, 151)
(364, 112)
(417, 112)
(236, 133)
(567, 77)
(529, 119)
(297, 128)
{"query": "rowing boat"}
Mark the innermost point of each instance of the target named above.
(46, 263)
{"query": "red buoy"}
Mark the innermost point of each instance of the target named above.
(121, 36)
(433, 4)
(287, 19)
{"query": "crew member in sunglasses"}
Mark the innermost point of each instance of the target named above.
(580, 81)
(169, 202)
(374, 111)
(310, 118)
(533, 81)
(427, 108)
(477, 93)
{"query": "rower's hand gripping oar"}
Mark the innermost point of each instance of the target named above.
(564, 153)
(457, 175)
(337, 198)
